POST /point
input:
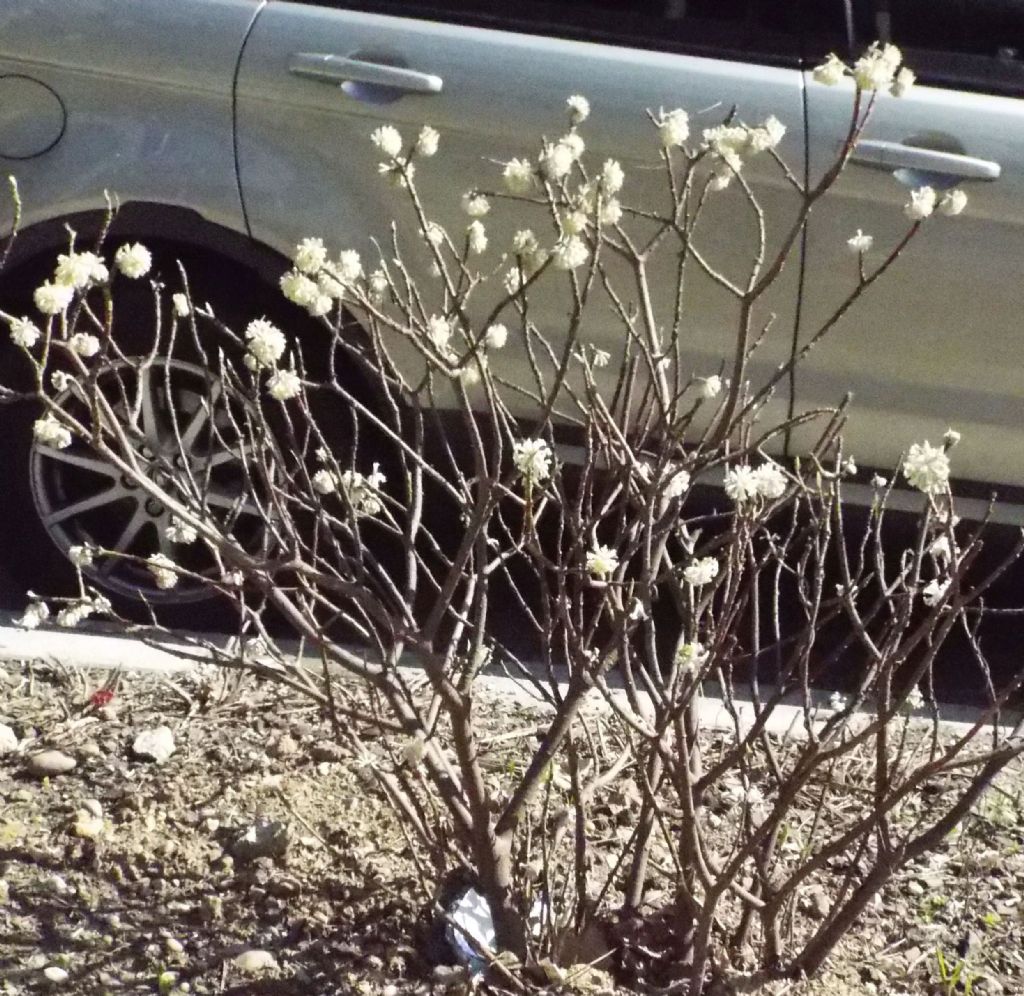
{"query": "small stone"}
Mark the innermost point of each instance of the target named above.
(155, 745)
(325, 750)
(284, 746)
(174, 945)
(254, 961)
(87, 826)
(93, 807)
(816, 903)
(50, 762)
(8, 740)
(55, 973)
(263, 839)
(5, 892)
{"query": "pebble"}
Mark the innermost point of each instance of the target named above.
(8, 740)
(284, 746)
(87, 826)
(263, 839)
(154, 745)
(93, 807)
(325, 750)
(254, 961)
(816, 903)
(55, 973)
(50, 762)
(174, 945)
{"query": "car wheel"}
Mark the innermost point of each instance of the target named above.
(56, 499)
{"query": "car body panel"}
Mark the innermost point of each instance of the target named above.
(936, 342)
(308, 168)
(147, 90)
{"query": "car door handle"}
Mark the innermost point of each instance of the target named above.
(329, 68)
(896, 155)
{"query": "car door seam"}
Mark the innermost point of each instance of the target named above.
(234, 115)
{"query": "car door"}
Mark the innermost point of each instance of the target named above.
(493, 78)
(937, 341)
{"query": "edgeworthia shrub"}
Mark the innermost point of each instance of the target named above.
(563, 485)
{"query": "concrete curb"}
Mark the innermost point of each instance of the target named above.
(92, 649)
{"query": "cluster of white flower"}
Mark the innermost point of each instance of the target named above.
(24, 333)
(71, 615)
(569, 252)
(376, 286)
(692, 656)
(388, 139)
(914, 699)
(860, 243)
(745, 483)
(81, 556)
(163, 570)
(879, 68)
(34, 615)
(557, 158)
(80, 270)
(612, 177)
(926, 468)
(673, 127)
(730, 144)
(519, 176)
(53, 298)
(701, 572)
(427, 141)
(283, 385)
(602, 561)
(439, 332)
(710, 387)
(265, 342)
(49, 431)
(181, 532)
(316, 282)
(924, 201)
(363, 490)
(133, 260)
(84, 344)
(532, 458)
(495, 336)
(475, 204)
(476, 237)
(579, 109)
(310, 256)
(181, 306)
(324, 482)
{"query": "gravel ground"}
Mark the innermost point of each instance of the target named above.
(255, 859)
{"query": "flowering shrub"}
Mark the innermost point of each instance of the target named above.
(639, 601)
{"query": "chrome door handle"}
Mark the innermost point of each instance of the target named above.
(896, 155)
(329, 68)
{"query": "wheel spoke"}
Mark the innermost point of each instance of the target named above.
(200, 417)
(108, 497)
(164, 542)
(147, 399)
(95, 464)
(237, 504)
(128, 534)
(221, 457)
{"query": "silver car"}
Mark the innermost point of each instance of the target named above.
(231, 129)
